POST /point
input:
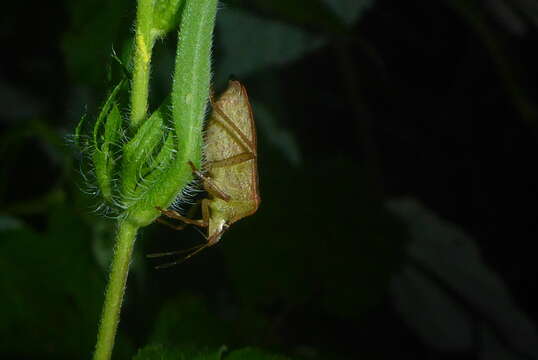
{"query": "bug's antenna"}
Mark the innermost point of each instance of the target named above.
(212, 240)
(201, 232)
(175, 252)
(185, 258)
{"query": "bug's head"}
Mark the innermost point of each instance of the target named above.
(216, 229)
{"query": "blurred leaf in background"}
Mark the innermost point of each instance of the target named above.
(158, 352)
(457, 297)
(186, 320)
(247, 42)
(95, 29)
(51, 288)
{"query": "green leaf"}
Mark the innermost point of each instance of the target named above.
(347, 254)
(449, 295)
(250, 353)
(103, 114)
(103, 135)
(104, 157)
(51, 290)
(138, 151)
(103, 177)
(277, 135)
(159, 352)
(251, 43)
(112, 128)
(78, 133)
(9, 223)
(186, 320)
(95, 25)
(160, 162)
(310, 13)
(349, 11)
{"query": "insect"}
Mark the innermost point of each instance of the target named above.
(231, 173)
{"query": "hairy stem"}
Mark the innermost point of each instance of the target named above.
(142, 60)
(125, 239)
(189, 99)
(190, 93)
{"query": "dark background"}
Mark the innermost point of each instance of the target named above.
(397, 141)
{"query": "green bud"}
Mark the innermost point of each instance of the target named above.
(138, 152)
(166, 16)
(106, 132)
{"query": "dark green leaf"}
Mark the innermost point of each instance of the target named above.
(104, 158)
(79, 132)
(95, 27)
(159, 352)
(161, 161)
(278, 136)
(343, 257)
(315, 14)
(251, 43)
(253, 354)
(51, 290)
(103, 114)
(138, 151)
(448, 294)
(112, 128)
(186, 320)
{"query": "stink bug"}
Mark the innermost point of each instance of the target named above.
(231, 174)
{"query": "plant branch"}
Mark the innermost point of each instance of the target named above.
(189, 97)
(190, 93)
(125, 239)
(142, 60)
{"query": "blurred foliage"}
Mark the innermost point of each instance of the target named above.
(50, 288)
(186, 320)
(96, 28)
(324, 270)
(157, 352)
(457, 295)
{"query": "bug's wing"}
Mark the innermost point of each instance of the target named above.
(230, 130)
(230, 133)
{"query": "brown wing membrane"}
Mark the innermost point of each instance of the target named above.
(231, 172)
(231, 146)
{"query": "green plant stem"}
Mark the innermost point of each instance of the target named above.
(189, 100)
(142, 61)
(125, 239)
(190, 92)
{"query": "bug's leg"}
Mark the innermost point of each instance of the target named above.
(213, 189)
(205, 212)
(183, 259)
(210, 242)
(175, 215)
(175, 252)
(196, 249)
(213, 239)
(232, 160)
(193, 250)
(170, 225)
(209, 185)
